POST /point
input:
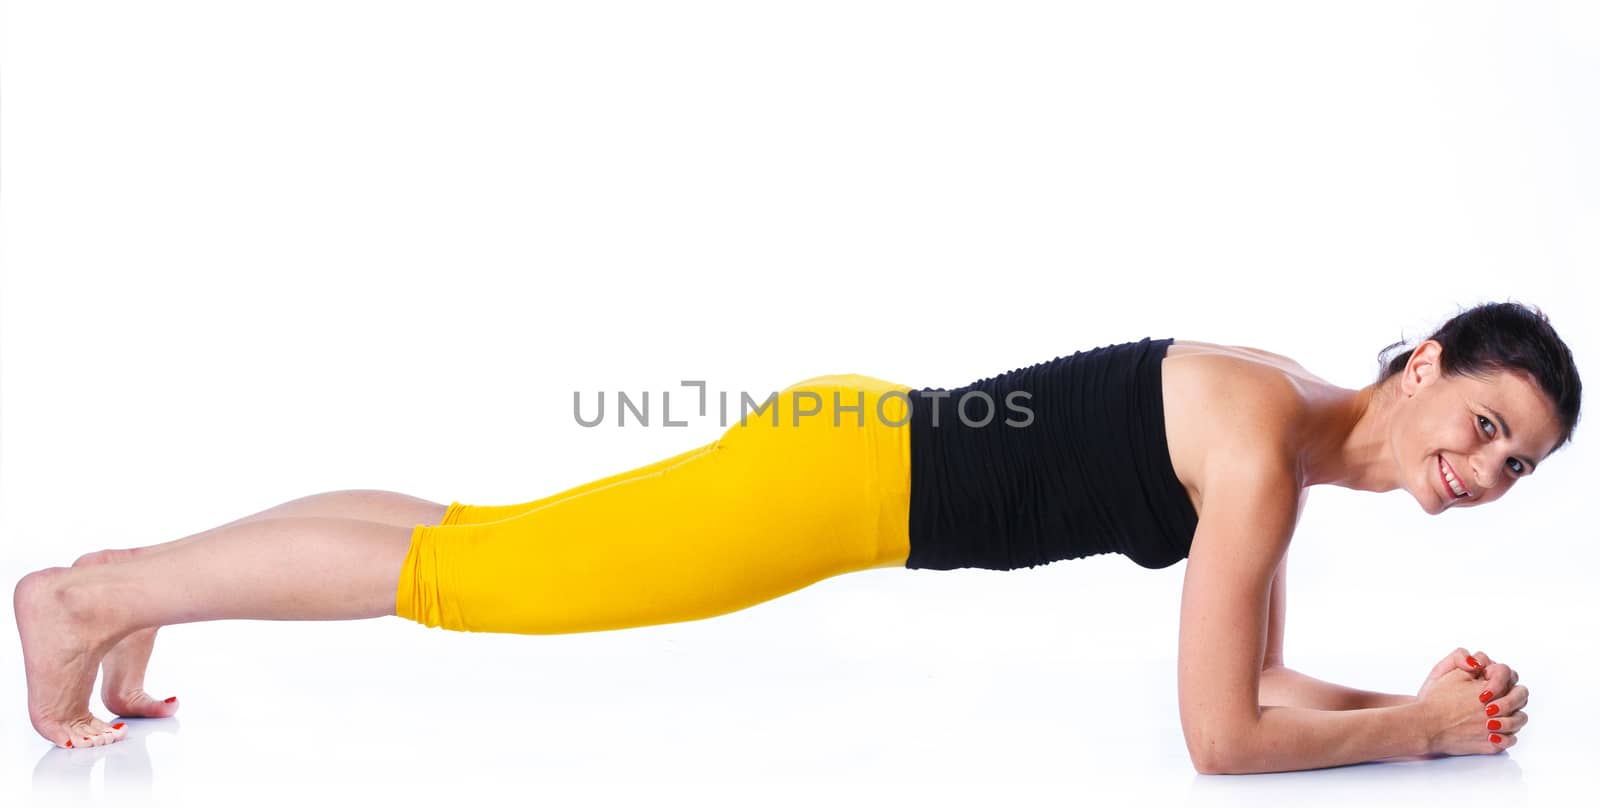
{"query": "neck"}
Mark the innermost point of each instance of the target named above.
(1356, 452)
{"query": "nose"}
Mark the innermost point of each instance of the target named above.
(1488, 481)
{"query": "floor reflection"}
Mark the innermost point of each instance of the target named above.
(1400, 781)
(127, 763)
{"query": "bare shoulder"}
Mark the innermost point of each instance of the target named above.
(1231, 413)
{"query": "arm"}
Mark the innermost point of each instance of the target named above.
(1242, 536)
(1298, 738)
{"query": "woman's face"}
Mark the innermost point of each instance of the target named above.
(1489, 433)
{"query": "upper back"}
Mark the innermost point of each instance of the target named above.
(1223, 402)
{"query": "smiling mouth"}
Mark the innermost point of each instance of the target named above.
(1456, 489)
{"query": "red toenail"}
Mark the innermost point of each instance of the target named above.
(170, 699)
(69, 744)
(118, 725)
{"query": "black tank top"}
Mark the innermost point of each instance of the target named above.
(1071, 461)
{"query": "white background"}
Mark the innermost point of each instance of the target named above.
(257, 251)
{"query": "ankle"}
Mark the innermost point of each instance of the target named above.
(92, 596)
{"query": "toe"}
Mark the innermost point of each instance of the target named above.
(90, 732)
(139, 704)
(81, 736)
(65, 734)
(109, 736)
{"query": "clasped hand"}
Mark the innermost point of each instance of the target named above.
(1473, 705)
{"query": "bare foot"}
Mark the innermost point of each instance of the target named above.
(64, 633)
(122, 682)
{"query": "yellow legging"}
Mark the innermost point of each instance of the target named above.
(762, 511)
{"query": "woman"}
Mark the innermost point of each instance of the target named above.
(1156, 449)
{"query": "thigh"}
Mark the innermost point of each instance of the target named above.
(762, 511)
(459, 513)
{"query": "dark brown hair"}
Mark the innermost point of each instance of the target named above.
(1507, 336)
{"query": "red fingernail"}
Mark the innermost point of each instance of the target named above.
(1471, 662)
(120, 725)
(1491, 709)
(1483, 698)
(69, 744)
(170, 699)
(1494, 724)
(1494, 738)
(86, 737)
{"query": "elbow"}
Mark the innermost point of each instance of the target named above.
(1221, 741)
(1208, 763)
(1207, 757)
(1221, 753)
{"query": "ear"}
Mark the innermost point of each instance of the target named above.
(1422, 369)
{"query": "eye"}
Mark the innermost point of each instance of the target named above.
(1515, 464)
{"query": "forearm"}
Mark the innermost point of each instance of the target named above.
(1286, 687)
(1296, 738)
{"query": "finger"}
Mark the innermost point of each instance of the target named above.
(1483, 659)
(1447, 664)
(1497, 677)
(1499, 741)
(1505, 674)
(1458, 659)
(1471, 663)
(1507, 704)
(1507, 724)
(1509, 674)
